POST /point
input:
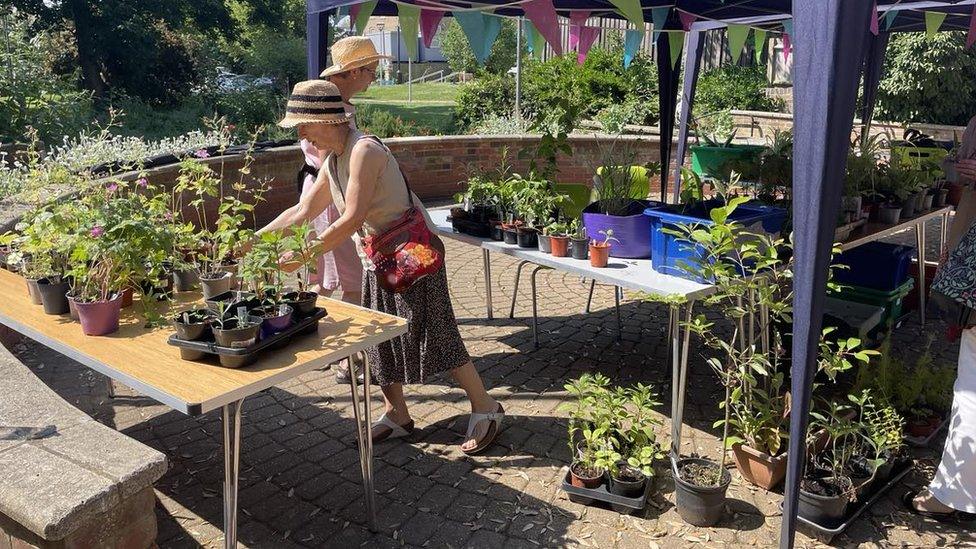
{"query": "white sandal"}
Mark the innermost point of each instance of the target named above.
(493, 429)
(395, 430)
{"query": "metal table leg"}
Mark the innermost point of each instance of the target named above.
(920, 242)
(518, 277)
(944, 236)
(486, 259)
(535, 310)
(589, 297)
(679, 358)
(617, 292)
(364, 435)
(232, 453)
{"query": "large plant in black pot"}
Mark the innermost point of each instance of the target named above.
(300, 245)
(826, 489)
(261, 269)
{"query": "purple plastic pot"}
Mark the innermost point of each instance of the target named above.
(632, 231)
(99, 317)
(274, 324)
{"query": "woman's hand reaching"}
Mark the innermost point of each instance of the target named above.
(288, 263)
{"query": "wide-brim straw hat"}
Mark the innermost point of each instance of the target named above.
(314, 102)
(351, 53)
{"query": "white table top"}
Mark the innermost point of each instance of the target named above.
(633, 274)
(876, 231)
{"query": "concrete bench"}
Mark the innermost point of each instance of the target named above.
(65, 479)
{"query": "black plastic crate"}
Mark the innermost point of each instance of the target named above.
(620, 504)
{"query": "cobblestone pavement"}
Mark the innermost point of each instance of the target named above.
(300, 483)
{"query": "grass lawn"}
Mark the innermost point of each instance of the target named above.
(438, 117)
(421, 92)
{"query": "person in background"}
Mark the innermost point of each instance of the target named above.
(951, 496)
(354, 69)
(363, 179)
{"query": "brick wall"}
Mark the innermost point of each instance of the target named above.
(436, 167)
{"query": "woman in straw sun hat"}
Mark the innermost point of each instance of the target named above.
(364, 181)
(354, 70)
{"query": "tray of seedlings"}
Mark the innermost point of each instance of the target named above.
(862, 456)
(236, 326)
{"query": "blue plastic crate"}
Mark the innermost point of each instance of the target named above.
(775, 219)
(668, 251)
(875, 265)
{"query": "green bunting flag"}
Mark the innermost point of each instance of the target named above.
(933, 22)
(365, 11)
(409, 22)
(659, 18)
(534, 42)
(481, 29)
(759, 43)
(737, 40)
(631, 10)
(676, 41)
(890, 18)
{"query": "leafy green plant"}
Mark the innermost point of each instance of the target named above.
(607, 237)
(881, 425)
(717, 128)
(485, 97)
(301, 246)
(260, 265)
(734, 87)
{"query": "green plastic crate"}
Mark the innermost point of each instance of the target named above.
(891, 301)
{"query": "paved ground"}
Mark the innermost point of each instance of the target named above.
(300, 480)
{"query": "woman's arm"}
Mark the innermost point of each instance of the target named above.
(310, 206)
(967, 168)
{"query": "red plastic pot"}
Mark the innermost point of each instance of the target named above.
(99, 317)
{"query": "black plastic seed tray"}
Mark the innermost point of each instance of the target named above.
(826, 534)
(620, 504)
(233, 357)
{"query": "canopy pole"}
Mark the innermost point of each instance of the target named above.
(873, 66)
(667, 85)
(317, 31)
(829, 52)
(518, 70)
(694, 46)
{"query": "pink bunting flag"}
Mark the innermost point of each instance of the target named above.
(787, 47)
(543, 16)
(874, 18)
(574, 37)
(353, 14)
(971, 38)
(578, 17)
(687, 19)
(429, 20)
(587, 37)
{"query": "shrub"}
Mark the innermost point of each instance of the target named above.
(928, 80)
(487, 96)
(251, 109)
(734, 87)
(501, 125)
(382, 123)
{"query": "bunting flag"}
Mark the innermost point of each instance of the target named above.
(430, 20)
(890, 16)
(533, 42)
(341, 12)
(971, 37)
(659, 17)
(409, 21)
(787, 39)
(353, 14)
(676, 42)
(543, 16)
(874, 18)
(687, 20)
(631, 10)
(933, 22)
(578, 17)
(365, 11)
(737, 40)
(632, 42)
(481, 30)
(587, 37)
(759, 43)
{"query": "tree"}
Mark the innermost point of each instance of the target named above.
(928, 79)
(454, 45)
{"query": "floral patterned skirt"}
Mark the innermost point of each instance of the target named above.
(432, 344)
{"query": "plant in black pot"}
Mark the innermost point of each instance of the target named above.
(194, 324)
(537, 205)
(48, 238)
(239, 331)
(303, 301)
(261, 268)
(639, 448)
(580, 242)
(825, 489)
(479, 206)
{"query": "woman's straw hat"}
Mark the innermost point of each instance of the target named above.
(351, 53)
(314, 102)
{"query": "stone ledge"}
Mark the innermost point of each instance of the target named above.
(64, 479)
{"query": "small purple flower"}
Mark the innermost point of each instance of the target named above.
(142, 182)
(112, 187)
(97, 231)
(202, 153)
(168, 216)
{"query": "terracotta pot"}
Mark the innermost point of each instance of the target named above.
(599, 255)
(559, 245)
(924, 428)
(584, 482)
(759, 468)
(955, 193)
(126, 298)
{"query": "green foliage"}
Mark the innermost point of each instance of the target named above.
(734, 87)
(489, 95)
(928, 79)
(280, 56)
(250, 110)
(379, 121)
(32, 92)
(460, 58)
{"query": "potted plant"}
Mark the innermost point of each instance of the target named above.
(882, 426)
(239, 331)
(48, 238)
(579, 240)
(303, 301)
(825, 489)
(638, 446)
(585, 470)
(97, 299)
(558, 233)
(261, 268)
(194, 324)
(600, 251)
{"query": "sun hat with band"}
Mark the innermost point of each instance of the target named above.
(351, 53)
(314, 102)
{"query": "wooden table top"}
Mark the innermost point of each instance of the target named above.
(142, 359)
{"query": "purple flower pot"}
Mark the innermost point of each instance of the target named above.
(100, 317)
(274, 319)
(632, 231)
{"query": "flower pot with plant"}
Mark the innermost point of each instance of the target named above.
(194, 324)
(47, 238)
(600, 251)
(237, 332)
(715, 157)
(825, 489)
(558, 233)
(580, 243)
(303, 301)
(261, 268)
(99, 305)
